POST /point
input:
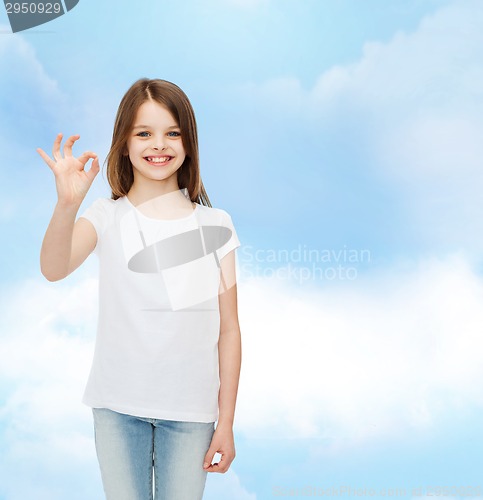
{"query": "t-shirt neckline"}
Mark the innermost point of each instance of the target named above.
(138, 212)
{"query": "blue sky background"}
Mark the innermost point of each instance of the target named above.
(345, 127)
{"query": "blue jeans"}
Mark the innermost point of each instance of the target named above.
(130, 448)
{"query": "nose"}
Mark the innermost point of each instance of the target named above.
(159, 144)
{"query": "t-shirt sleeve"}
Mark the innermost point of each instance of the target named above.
(233, 242)
(97, 214)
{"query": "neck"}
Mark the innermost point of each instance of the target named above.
(158, 198)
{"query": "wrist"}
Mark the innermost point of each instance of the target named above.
(225, 423)
(72, 207)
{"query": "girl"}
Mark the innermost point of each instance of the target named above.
(167, 358)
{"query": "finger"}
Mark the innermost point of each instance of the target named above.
(222, 466)
(225, 462)
(56, 148)
(68, 144)
(84, 157)
(46, 157)
(208, 458)
(94, 170)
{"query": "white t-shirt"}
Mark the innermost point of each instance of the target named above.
(156, 351)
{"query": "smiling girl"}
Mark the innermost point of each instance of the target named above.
(167, 357)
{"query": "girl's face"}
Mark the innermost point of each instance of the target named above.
(154, 145)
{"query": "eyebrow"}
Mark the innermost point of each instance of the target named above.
(147, 126)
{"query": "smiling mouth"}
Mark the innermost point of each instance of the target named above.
(158, 160)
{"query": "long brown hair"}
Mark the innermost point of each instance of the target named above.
(119, 168)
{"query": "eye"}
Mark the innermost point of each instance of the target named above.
(177, 134)
(139, 134)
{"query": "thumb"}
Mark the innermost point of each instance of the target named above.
(209, 457)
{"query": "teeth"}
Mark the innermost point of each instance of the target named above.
(158, 160)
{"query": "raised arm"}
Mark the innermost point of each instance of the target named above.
(67, 243)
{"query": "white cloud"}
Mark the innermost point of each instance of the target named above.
(18, 60)
(414, 106)
(381, 356)
(32, 103)
(384, 355)
(30, 96)
(437, 67)
(46, 347)
(226, 486)
(34, 100)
